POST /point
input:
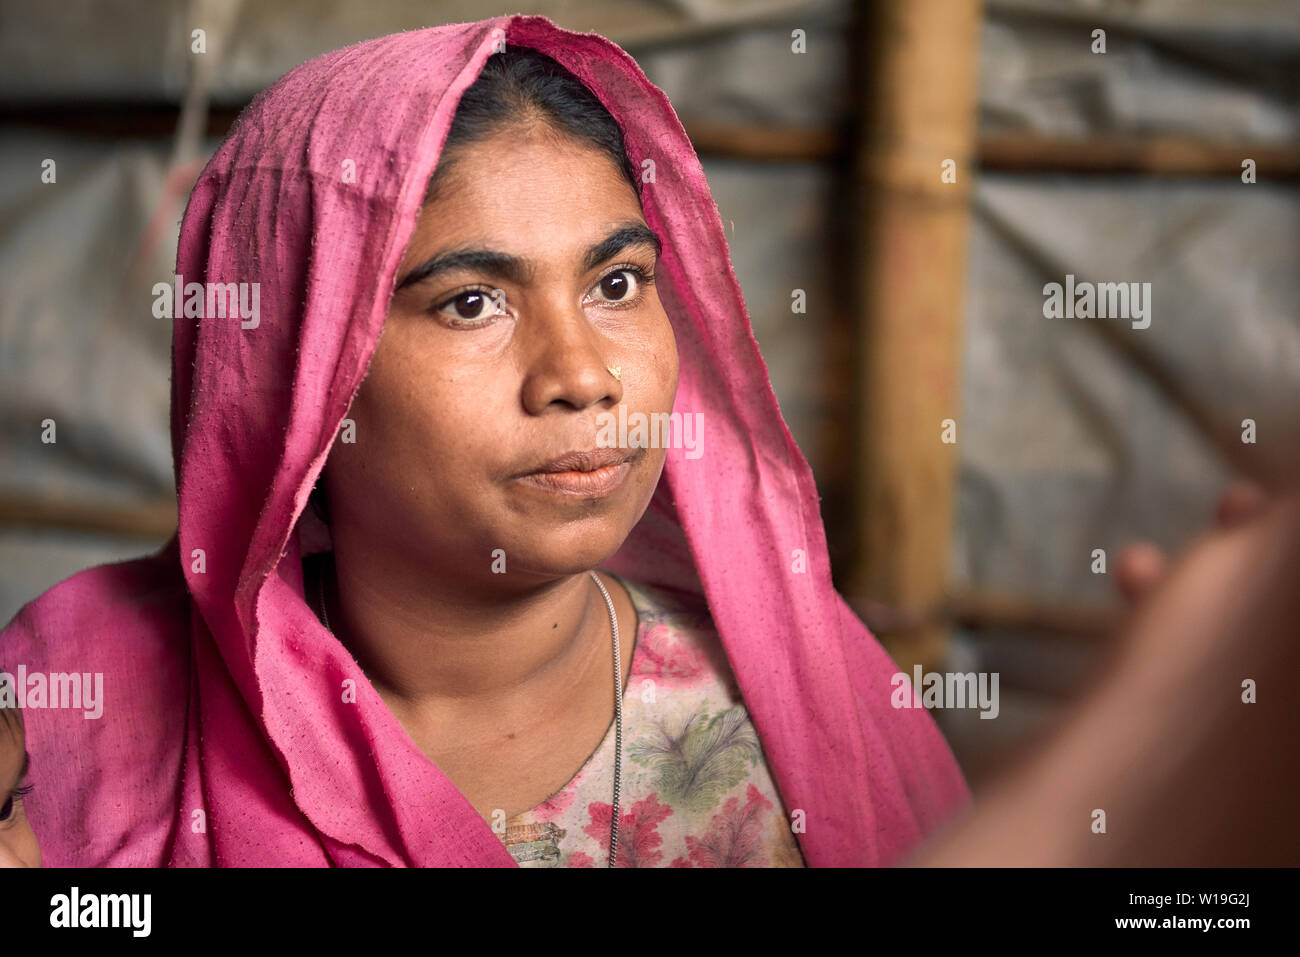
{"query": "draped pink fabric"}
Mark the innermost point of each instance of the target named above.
(225, 739)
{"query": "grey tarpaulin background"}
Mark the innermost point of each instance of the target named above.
(1065, 445)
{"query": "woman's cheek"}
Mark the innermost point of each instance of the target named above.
(666, 370)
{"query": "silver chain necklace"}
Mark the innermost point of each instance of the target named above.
(618, 702)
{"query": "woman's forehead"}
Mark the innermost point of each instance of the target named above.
(536, 203)
(528, 159)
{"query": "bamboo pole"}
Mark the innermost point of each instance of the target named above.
(976, 609)
(910, 263)
(984, 609)
(1021, 152)
(1010, 151)
(1163, 156)
(150, 520)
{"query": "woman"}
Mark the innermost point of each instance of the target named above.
(420, 669)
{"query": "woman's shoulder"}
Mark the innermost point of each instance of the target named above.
(136, 602)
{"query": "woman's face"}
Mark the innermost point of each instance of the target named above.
(517, 293)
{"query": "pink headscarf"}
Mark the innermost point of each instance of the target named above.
(225, 739)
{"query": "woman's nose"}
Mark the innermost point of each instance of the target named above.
(567, 360)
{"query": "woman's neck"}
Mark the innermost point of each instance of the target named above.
(444, 652)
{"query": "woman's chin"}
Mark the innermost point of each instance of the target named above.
(565, 554)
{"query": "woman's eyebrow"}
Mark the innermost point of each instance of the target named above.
(520, 271)
(623, 236)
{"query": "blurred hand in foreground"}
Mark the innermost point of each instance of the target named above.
(1168, 744)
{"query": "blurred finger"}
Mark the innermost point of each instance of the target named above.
(1240, 502)
(1140, 568)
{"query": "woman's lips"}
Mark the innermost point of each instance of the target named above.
(596, 482)
(586, 474)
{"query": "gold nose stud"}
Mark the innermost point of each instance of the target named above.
(616, 372)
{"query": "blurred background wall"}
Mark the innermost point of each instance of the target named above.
(972, 454)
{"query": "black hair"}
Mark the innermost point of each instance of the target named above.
(518, 88)
(521, 87)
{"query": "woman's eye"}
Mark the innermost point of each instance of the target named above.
(7, 809)
(471, 306)
(619, 286)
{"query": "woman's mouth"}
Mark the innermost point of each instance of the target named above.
(585, 474)
(595, 482)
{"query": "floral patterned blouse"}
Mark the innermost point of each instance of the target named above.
(695, 790)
